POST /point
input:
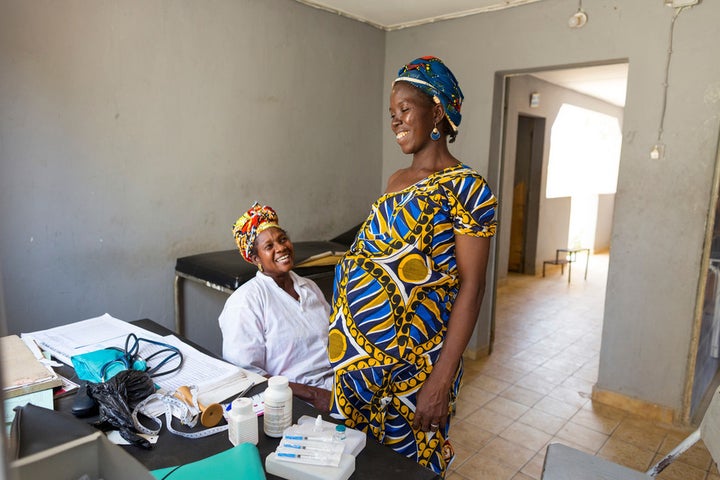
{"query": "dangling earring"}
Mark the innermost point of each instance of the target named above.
(259, 265)
(435, 135)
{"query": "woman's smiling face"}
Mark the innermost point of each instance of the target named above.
(412, 117)
(274, 252)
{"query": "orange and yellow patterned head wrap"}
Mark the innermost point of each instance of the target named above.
(249, 226)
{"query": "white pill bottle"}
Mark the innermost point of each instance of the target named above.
(242, 422)
(278, 406)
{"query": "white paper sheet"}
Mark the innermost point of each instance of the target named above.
(216, 379)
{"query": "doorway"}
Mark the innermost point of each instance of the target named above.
(526, 194)
(533, 224)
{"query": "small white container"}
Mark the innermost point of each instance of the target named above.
(278, 406)
(242, 422)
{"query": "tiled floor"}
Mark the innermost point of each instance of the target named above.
(535, 389)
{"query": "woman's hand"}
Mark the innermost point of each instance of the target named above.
(433, 404)
(315, 396)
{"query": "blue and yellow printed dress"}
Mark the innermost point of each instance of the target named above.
(393, 293)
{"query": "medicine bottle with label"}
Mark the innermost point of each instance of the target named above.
(278, 406)
(242, 422)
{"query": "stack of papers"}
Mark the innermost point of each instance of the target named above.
(215, 379)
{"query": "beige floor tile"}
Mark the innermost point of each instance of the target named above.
(590, 439)
(470, 399)
(557, 407)
(534, 467)
(481, 467)
(507, 453)
(463, 409)
(522, 395)
(640, 433)
(489, 420)
(550, 376)
(489, 384)
(572, 444)
(626, 454)
(698, 455)
(504, 373)
(462, 454)
(543, 421)
(572, 396)
(583, 349)
(588, 373)
(522, 476)
(469, 436)
(578, 384)
(682, 471)
(517, 364)
(454, 476)
(527, 436)
(605, 411)
(562, 366)
(507, 407)
(536, 383)
(593, 420)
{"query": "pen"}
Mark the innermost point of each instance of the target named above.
(252, 384)
(241, 394)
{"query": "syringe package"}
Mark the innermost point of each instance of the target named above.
(310, 450)
(309, 445)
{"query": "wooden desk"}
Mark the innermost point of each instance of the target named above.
(376, 461)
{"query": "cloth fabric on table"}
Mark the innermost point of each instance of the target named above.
(394, 291)
(241, 461)
(267, 331)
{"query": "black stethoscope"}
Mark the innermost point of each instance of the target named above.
(131, 360)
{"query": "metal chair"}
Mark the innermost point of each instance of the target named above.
(566, 463)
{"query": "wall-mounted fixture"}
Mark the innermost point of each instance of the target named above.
(579, 18)
(534, 100)
(657, 152)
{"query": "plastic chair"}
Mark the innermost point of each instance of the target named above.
(566, 463)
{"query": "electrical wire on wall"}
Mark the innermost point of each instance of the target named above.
(658, 150)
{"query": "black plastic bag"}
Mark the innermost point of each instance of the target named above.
(117, 398)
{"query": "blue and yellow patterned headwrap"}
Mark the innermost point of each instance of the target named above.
(430, 75)
(250, 224)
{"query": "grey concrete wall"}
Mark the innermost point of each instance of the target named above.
(661, 207)
(136, 132)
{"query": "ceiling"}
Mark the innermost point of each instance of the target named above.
(393, 15)
(606, 82)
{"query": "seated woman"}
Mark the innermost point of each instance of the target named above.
(277, 323)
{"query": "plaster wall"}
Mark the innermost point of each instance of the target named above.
(136, 132)
(661, 207)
